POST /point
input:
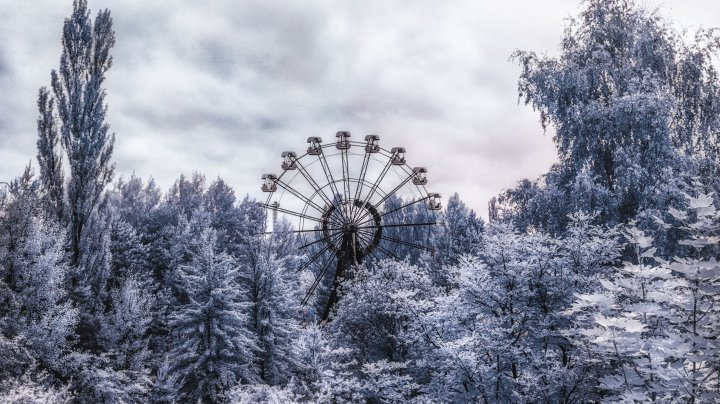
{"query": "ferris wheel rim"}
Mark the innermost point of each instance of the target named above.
(421, 189)
(348, 225)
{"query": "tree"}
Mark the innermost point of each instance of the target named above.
(694, 302)
(22, 207)
(80, 103)
(377, 347)
(36, 318)
(498, 334)
(123, 328)
(463, 230)
(49, 156)
(626, 119)
(213, 345)
(35, 387)
(43, 315)
(261, 393)
(272, 295)
(134, 201)
(186, 195)
(655, 321)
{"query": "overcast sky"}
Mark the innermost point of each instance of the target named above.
(223, 87)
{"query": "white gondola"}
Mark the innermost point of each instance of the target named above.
(315, 148)
(398, 158)
(269, 184)
(372, 145)
(419, 176)
(434, 202)
(343, 140)
(289, 160)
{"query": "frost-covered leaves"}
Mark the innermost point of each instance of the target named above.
(44, 315)
(50, 156)
(633, 106)
(495, 333)
(213, 345)
(462, 232)
(123, 328)
(97, 378)
(33, 294)
(262, 393)
(81, 111)
(657, 321)
(273, 306)
(33, 387)
(377, 335)
(498, 336)
(36, 319)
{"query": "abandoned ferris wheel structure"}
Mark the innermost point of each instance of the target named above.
(344, 199)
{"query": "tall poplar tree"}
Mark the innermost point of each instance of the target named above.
(79, 102)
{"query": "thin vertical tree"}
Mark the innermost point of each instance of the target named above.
(80, 103)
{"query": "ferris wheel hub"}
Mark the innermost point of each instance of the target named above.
(360, 226)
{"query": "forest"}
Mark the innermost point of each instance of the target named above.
(597, 282)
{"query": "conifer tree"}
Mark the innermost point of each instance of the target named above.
(213, 345)
(33, 304)
(272, 292)
(463, 230)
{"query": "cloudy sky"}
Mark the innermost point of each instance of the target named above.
(223, 86)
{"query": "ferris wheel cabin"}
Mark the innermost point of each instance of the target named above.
(398, 158)
(315, 148)
(343, 140)
(372, 145)
(269, 184)
(288, 160)
(434, 202)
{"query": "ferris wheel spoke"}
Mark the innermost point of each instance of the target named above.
(387, 252)
(407, 243)
(374, 255)
(366, 236)
(312, 182)
(391, 193)
(388, 195)
(404, 225)
(396, 209)
(301, 231)
(377, 182)
(346, 182)
(369, 239)
(321, 239)
(331, 180)
(336, 219)
(317, 280)
(290, 212)
(299, 195)
(313, 258)
(361, 182)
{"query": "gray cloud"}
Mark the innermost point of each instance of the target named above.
(223, 87)
(3, 64)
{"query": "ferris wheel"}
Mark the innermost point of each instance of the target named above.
(344, 200)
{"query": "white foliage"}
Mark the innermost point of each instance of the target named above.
(29, 389)
(213, 344)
